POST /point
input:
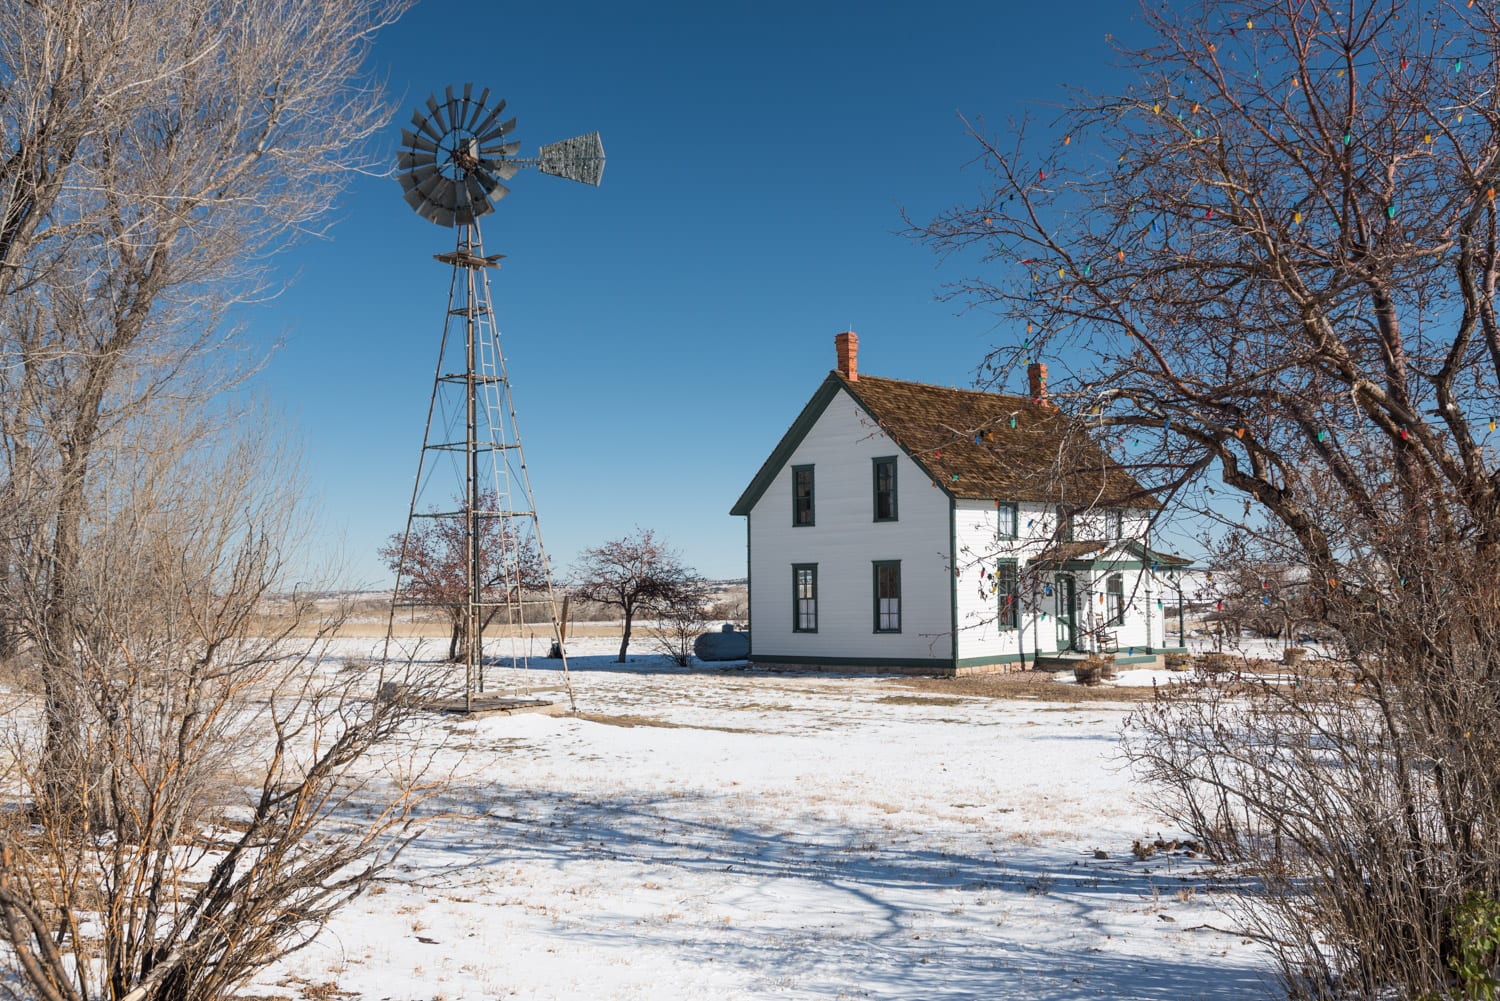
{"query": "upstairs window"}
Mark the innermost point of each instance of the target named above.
(885, 488)
(802, 495)
(1114, 600)
(1064, 523)
(888, 596)
(1114, 524)
(1005, 520)
(1008, 594)
(804, 597)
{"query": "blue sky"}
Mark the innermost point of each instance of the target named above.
(664, 329)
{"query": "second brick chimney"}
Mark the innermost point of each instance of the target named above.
(847, 345)
(1036, 376)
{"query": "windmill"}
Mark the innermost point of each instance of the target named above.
(452, 168)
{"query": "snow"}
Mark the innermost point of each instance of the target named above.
(784, 836)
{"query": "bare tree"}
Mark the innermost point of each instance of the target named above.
(1273, 257)
(187, 792)
(681, 616)
(431, 564)
(152, 155)
(636, 574)
(232, 806)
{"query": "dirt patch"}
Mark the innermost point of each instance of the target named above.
(920, 700)
(1023, 685)
(629, 721)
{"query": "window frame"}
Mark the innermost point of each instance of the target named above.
(812, 494)
(1008, 572)
(875, 465)
(876, 567)
(1065, 518)
(1114, 600)
(1114, 524)
(1012, 530)
(797, 599)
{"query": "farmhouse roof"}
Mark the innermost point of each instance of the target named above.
(972, 444)
(1062, 554)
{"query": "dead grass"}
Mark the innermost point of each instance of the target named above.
(629, 721)
(1022, 685)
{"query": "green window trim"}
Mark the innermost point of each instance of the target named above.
(883, 468)
(887, 595)
(804, 597)
(804, 511)
(1114, 600)
(1007, 518)
(1007, 595)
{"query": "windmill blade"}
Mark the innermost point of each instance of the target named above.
(455, 119)
(505, 169)
(504, 149)
(414, 180)
(493, 189)
(426, 127)
(489, 119)
(410, 138)
(436, 110)
(484, 99)
(461, 202)
(410, 161)
(496, 132)
(578, 159)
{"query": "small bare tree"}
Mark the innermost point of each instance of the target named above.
(681, 617)
(431, 563)
(637, 574)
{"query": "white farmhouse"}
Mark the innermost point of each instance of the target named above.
(912, 528)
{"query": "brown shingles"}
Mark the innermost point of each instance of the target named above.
(965, 440)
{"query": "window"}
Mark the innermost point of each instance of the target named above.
(804, 597)
(1005, 520)
(1114, 524)
(802, 495)
(1114, 600)
(888, 596)
(1064, 523)
(885, 488)
(1008, 594)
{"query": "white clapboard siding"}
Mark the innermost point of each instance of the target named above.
(841, 447)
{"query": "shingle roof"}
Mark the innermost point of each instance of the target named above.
(964, 440)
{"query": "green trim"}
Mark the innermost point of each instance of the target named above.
(1013, 530)
(953, 574)
(927, 662)
(812, 495)
(798, 431)
(796, 597)
(787, 445)
(875, 464)
(1004, 658)
(749, 589)
(875, 566)
(1014, 594)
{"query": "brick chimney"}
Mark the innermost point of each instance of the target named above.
(847, 345)
(1036, 376)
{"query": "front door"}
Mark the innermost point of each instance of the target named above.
(1067, 612)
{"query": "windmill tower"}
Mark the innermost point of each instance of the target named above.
(451, 169)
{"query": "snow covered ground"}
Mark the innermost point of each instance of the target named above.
(758, 835)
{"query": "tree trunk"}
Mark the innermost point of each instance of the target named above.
(456, 641)
(625, 640)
